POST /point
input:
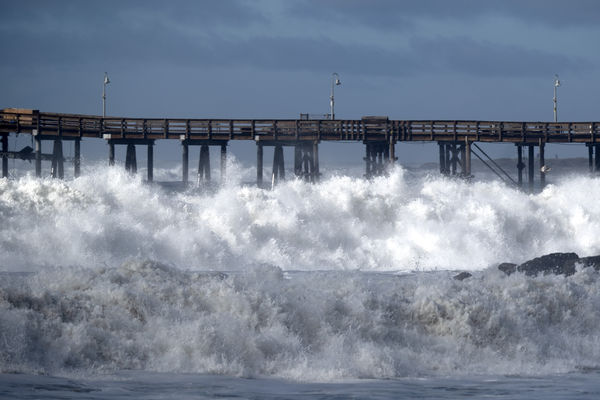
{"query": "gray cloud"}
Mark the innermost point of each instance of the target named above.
(400, 15)
(69, 35)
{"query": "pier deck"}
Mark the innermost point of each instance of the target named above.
(365, 129)
(379, 134)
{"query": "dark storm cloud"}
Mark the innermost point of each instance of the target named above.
(69, 34)
(400, 15)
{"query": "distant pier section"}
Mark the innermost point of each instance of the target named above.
(457, 140)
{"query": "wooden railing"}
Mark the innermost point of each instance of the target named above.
(368, 128)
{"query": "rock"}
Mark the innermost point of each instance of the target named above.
(462, 276)
(507, 268)
(555, 263)
(593, 261)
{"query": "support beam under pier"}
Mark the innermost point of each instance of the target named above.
(442, 148)
(4, 158)
(298, 160)
(315, 152)
(520, 165)
(150, 161)
(204, 164)
(542, 166)
(38, 156)
(278, 171)
(377, 158)
(466, 161)
(111, 154)
(259, 164)
(531, 165)
(58, 169)
(77, 159)
(185, 162)
(223, 162)
(130, 159)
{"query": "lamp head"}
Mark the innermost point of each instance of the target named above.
(106, 80)
(556, 81)
(338, 82)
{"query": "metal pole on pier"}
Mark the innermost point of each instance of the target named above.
(106, 82)
(556, 85)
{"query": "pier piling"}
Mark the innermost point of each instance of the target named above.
(4, 158)
(223, 162)
(38, 156)
(111, 153)
(531, 165)
(184, 162)
(259, 164)
(542, 165)
(150, 161)
(520, 165)
(58, 169)
(204, 164)
(298, 160)
(77, 159)
(130, 159)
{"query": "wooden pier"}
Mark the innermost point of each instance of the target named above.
(379, 134)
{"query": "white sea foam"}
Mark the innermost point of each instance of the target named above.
(120, 277)
(315, 326)
(405, 221)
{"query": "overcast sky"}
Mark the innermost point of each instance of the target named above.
(426, 59)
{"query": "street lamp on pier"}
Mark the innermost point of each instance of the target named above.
(556, 84)
(106, 82)
(335, 81)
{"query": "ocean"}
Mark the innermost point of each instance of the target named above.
(114, 288)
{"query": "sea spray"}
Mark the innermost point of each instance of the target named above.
(315, 326)
(405, 221)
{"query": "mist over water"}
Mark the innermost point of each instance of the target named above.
(348, 278)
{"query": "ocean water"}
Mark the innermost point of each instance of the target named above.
(114, 288)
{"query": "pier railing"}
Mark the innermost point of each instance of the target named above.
(365, 129)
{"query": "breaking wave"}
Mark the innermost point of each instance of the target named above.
(346, 278)
(315, 326)
(402, 222)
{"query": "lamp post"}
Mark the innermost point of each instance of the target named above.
(556, 84)
(335, 81)
(106, 82)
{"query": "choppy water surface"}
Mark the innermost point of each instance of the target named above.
(332, 290)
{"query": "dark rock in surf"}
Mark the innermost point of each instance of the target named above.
(462, 276)
(555, 263)
(593, 261)
(507, 268)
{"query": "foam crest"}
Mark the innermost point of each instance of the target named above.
(405, 221)
(316, 326)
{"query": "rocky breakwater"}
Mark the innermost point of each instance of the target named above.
(554, 263)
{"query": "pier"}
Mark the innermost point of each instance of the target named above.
(457, 140)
